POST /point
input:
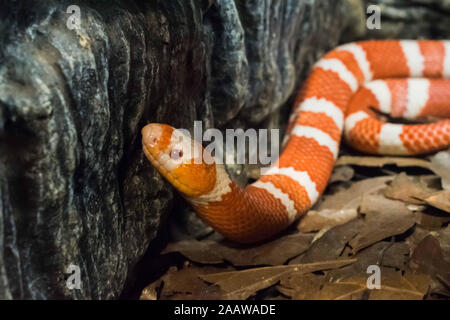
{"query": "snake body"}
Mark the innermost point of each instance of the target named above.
(345, 92)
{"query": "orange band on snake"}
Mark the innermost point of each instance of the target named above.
(344, 92)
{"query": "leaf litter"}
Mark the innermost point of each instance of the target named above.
(395, 219)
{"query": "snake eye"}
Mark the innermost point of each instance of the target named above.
(176, 154)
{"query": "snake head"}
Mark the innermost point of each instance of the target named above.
(179, 158)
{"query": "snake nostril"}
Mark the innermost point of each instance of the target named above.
(176, 154)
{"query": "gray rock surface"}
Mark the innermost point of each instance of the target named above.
(412, 19)
(75, 188)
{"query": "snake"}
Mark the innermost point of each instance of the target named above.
(349, 93)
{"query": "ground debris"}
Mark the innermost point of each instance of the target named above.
(242, 284)
(342, 206)
(275, 252)
(394, 225)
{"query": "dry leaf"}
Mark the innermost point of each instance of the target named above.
(340, 207)
(243, 284)
(185, 284)
(440, 164)
(444, 237)
(419, 233)
(427, 258)
(341, 173)
(395, 255)
(326, 219)
(343, 233)
(415, 191)
(393, 286)
(351, 197)
(350, 282)
(196, 251)
(331, 245)
(275, 252)
(432, 181)
(384, 218)
(383, 254)
(149, 293)
(432, 219)
(440, 200)
(319, 234)
(301, 286)
(406, 189)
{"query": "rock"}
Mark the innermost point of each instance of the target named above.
(75, 188)
(412, 19)
(356, 27)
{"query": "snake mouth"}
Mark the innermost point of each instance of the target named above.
(179, 185)
(152, 159)
(157, 164)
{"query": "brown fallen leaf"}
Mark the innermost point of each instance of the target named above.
(382, 161)
(383, 218)
(383, 254)
(428, 258)
(149, 292)
(341, 207)
(196, 251)
(419, 233)
(351, 197)
(275, 252)
(393, 286)
(350, 282)
(417, 192)
(432, 219)
(440, 164)
(432, 181)
(243, 284)
(395, 255)
(341, 173)
(184, 284)
(331, 245)
(406, 189)
(326, 219)
(301, 286)
(440, 200)
(444, 238)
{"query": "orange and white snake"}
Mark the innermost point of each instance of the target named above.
(402, 78)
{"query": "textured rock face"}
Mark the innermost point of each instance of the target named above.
(75, 188)
(412, 19)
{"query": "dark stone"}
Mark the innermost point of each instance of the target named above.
(75, 188)
(412, 19)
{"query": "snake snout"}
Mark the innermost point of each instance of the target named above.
(151, 134)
